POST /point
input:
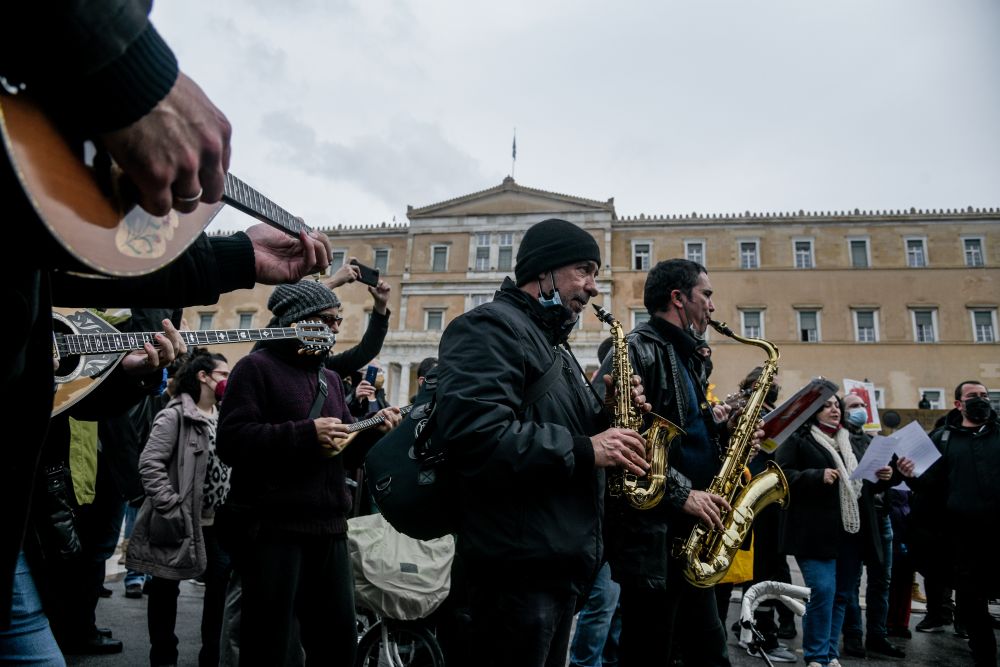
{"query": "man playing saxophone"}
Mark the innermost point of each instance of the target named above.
(639, 543)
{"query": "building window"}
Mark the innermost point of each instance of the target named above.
(925, 325)
(695, 251)
(482, 252)
(934, 395)
(880, 398)
(916, 252)
(994, 400)
(752, 323)
(866, 326)
(433, 319)
(638, 317)
(505, 260)
(246, 321)
(803, 253)
(860, 257)
(984, 325)
(439, 258)
(337, 258)
(808, 326)
(205, 321)
(641, 252)
(974, 252)
(749, 256)
(382, 259)
(476, 300)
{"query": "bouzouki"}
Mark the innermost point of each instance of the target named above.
(357, 427)
(87, 348)
(83, 200)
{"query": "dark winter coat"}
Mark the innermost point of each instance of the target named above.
(531, 499)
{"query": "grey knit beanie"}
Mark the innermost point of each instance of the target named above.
(297, 301)
(551, 244)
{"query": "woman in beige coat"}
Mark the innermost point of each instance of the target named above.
(167, 541)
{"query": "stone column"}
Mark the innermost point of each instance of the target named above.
(403, 386)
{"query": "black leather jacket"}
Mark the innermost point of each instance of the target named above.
(531, 497)
(639, 542)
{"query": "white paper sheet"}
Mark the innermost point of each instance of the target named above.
(909, 441)
(878, 455)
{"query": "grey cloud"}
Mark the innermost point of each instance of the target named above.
(414, 163)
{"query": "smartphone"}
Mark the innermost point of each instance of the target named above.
(371, 374)
(369, 276)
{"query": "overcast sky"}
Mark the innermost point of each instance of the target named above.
(346, 111)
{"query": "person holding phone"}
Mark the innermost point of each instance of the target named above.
(349, 361)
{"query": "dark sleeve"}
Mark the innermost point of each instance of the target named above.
(100, 64)
(801, 480)
(210, 267)
(248, 434)
(354, 358)
(482, 379)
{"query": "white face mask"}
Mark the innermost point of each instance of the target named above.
(555, 299)
(857, 416)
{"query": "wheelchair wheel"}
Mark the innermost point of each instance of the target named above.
(399, 644)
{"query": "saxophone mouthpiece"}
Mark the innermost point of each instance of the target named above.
(721, 327)
(602, 314)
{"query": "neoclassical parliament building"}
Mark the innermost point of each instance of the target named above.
(904, 299)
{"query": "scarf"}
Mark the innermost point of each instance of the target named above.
(843, 455)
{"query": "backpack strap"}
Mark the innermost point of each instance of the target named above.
(542, 385)
(321, 392)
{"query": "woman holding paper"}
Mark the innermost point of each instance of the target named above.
(829, 525)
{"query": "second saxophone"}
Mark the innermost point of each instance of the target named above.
(641, 493)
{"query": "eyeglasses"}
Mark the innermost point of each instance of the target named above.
(330, 320)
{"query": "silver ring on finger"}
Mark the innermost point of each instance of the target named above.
(189, 200)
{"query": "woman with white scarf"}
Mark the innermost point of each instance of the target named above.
(824, 528)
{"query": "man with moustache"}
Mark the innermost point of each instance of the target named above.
(530, 470)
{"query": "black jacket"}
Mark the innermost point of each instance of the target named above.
(640, 542)
(531, 498)
(813, 527)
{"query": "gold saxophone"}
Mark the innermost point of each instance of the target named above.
(709, 551)
(642, 493)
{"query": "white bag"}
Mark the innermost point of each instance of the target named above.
(395, 575)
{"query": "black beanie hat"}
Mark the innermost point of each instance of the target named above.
(551, 244)
(297, 301)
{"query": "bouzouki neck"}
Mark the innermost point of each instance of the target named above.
(241, 196)
(104, 343)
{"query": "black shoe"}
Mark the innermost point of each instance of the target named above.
(899, 632)
(853, 647)
(930, 625)
(960, 631)
(787, 630)
(133, 591)
(105, 592)
(883, 647)
(104, 632)
(735, 627)
(96, 645)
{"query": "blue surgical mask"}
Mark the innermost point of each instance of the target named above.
(857, 416)
(550, 301)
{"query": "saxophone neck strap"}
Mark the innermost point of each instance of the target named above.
(542, 385)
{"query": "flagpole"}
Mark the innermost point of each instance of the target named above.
(513, 154)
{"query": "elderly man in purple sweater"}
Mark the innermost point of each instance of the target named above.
(293, 559)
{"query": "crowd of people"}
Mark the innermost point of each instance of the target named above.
(245, 477)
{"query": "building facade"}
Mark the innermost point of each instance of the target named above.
(905, 299)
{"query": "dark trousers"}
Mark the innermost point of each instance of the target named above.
(290, 576)
(770, 565)
(519, 626)
(681, 622)
(900, 592)
(161, 619)
(940, 606)
(972, 600)
(216, 579)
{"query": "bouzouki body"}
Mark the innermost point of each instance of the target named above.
(87, 208)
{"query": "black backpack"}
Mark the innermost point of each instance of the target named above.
(408, 472)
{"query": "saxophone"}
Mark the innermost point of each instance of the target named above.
(708, 551)
(641, 493)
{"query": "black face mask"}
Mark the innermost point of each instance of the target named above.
(977, 410)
